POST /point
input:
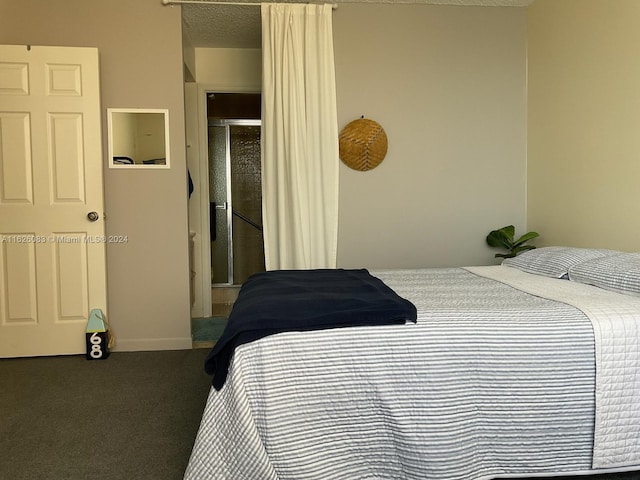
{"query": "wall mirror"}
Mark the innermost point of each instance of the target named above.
(138, 138)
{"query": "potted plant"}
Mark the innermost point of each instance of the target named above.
(504, 238)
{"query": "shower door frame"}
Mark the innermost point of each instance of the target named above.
(227, 123)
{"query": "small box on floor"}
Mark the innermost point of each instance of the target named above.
(97, 336)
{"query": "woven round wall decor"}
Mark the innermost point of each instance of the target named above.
(363, 144)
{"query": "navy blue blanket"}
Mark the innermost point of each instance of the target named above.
(295, 300)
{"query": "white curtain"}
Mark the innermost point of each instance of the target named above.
(300, 156)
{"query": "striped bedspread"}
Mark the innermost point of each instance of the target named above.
(489, 381)
(615, 319)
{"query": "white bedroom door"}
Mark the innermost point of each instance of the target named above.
(52, 244)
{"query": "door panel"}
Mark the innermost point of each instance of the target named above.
(16, 181)
(246, 194)
(67, 160)
(52, 257)
(218, 195)
(71, 295)
(19, 283)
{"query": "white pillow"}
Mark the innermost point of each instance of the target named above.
(619, 273)
(554, 262)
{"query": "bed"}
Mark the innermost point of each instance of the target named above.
(527, 368)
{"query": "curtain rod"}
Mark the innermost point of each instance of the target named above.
(221, 2)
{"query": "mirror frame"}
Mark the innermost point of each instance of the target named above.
(110, 132)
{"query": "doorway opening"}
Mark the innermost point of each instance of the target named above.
(235, 194)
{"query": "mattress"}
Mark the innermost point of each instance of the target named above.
(490, 381)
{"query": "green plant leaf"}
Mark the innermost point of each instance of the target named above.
(498, 238)
(525, 238)
(503, 238)
(509, 231)
(521, 248)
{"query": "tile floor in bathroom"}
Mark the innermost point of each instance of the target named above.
(205, 331)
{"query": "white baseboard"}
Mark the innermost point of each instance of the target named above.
(151, 344)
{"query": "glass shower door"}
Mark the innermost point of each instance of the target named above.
(219, 224)
(237, 249)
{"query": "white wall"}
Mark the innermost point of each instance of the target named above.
(150, 136)
(123, 129)
(448, 86)
(235, 68)
(584, 119)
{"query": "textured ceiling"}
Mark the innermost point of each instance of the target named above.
(238, 26)
(222, 26)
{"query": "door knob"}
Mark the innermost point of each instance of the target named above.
(93, 216)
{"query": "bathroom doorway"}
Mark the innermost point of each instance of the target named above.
(235, 189)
